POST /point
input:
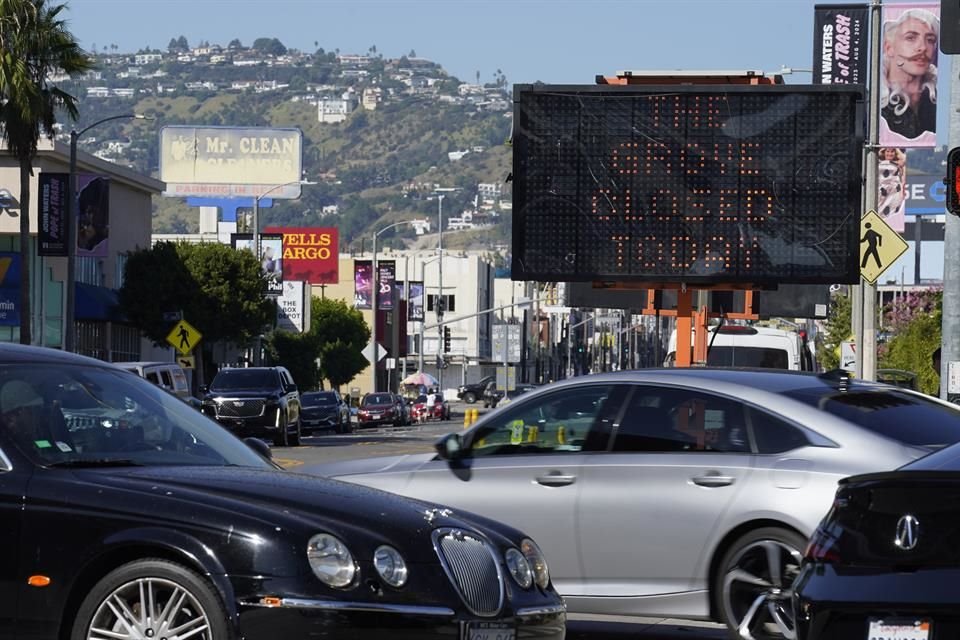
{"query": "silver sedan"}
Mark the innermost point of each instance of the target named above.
(685, 493)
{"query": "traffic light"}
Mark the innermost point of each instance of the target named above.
(953, 181)
(446, 339)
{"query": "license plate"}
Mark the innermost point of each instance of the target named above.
(374, 416)
(490, 631)
(898, 629)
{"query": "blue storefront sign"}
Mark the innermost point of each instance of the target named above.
(9, 289)
(926, 195)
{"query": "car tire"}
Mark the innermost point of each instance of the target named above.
(469, 397)
(752, 588)
(295, 436)
(142, 583)
(282, 437)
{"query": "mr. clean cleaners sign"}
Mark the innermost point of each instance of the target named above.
(309, 254)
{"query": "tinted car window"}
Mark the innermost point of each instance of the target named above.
(661, 419)
(909, 418)
(81, 414)
(319, 399)
(748, 357)
(237, 379)
(774, 435)
(557, 422)
(378, 398)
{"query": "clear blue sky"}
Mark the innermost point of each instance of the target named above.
(554, 41)
(558, 41)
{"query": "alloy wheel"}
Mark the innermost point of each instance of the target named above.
(757, 590)
(148, 609)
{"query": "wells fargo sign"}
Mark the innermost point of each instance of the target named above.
(309, 254)
(231, 161)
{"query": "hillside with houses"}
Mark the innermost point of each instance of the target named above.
(380, 134)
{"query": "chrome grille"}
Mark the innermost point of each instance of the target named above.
(474, 569)
(240, 408)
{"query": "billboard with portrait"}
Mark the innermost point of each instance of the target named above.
(909, 58)
(892, 186)
(271, 248)
(415, 301)
(362, 284)
(93, 215)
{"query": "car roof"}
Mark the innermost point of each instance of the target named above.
(146, 364)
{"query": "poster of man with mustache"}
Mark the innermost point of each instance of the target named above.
(908, 75)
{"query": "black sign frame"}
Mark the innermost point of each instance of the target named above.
(834, 170)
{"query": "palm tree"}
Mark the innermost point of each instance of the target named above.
(34, 44)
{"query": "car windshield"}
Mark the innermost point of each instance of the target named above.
(318, 399)
(909, 418)
(240, 379)
(377, 399)
(76, 415)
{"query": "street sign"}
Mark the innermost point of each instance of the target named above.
(368, 352)
(172, 316)
(187, 362)
(880, 246)
(184, 337)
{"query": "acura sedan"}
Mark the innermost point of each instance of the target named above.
(127, 515)
(884, 562)
(685, 493)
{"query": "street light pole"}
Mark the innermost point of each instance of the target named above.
(441, 300)
(70, 335)
(255, 241)
(375, 304)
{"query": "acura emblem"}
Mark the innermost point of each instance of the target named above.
(908, 532)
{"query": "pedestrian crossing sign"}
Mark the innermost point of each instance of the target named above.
(183, 337)
(880, 246)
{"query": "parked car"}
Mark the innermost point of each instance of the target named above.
(325, 410)
(421, 412)
(167, 526)
(493, 396)
(261, 402)
(687, 493)
(883, 563)
(733, 345)
(472, 392)
(378, 409)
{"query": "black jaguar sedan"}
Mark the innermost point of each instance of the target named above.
(127, 515)
(885, 561)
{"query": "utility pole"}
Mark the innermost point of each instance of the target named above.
(868, 346)
(950, 328)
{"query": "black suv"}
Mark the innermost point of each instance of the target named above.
(470, 393)
(262, 402)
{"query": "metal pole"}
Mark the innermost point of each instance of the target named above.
(255, 223)
(950, 328)
(70, 330)
(869, 348)
(375, 287)
(441, 300)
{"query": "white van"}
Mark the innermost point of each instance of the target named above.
(743, 346)
(168, 375)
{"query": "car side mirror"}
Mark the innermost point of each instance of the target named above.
(291, 388)
(260, 447)
(450, 447)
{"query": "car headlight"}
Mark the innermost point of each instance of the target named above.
(535, 557)
(331, 561)
(519, 568)
(390, 565)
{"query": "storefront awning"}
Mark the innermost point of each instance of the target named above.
(96, 303)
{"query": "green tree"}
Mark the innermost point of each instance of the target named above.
(34, 44)
(838, 330)
(218, 288)
(298, 352)
(341, 335)
(915, 321)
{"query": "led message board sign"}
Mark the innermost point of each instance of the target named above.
(719, 184)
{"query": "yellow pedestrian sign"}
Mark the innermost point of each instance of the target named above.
(184, 337)
(880, 246)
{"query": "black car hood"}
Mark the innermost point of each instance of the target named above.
(241, 393)
(274, 499)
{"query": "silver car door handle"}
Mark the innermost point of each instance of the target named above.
(556, 480)
(713, 480)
